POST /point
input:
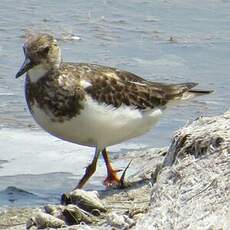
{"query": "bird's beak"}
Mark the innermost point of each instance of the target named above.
(27, 65)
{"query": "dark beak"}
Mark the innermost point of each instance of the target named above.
(27, 65)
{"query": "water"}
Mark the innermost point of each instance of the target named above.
(171, 41)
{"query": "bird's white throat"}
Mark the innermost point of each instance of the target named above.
(37, 72)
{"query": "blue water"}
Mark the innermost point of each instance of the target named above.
(170, 41)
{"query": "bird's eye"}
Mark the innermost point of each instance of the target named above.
(46, 50)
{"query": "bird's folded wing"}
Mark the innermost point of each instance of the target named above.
(115, 87)
(118, 88)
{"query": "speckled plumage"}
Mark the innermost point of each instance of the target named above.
(60, 91)
(56, 93)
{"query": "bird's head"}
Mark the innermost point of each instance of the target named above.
(41, 54)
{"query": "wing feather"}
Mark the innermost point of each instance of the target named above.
(116, 87)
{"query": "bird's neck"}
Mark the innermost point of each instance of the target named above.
(39, 71)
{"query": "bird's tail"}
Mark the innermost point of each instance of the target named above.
(198, 92)
(185, 91)
(190, 93)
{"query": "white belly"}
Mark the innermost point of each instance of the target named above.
(99, 124)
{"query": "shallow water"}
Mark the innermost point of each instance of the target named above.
(171, 41)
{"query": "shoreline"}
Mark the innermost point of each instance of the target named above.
(182, 187)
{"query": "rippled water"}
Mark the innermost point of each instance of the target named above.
(171, 41)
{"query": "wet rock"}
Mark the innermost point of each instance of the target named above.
(119, 221)
(88, 201)
(70, 214)
(75, 215)
(55, 210)
(44, 220)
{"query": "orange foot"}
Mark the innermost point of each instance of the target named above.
(112, 179)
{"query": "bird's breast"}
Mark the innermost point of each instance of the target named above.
(58, 102)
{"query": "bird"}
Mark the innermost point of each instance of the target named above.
(91, 104)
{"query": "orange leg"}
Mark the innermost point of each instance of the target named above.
(112, 177)
(89, 170)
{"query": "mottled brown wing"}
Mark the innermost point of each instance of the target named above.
(121, 87)
(116, 93)
(116, 87)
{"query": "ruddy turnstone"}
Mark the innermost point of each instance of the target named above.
(92, 105)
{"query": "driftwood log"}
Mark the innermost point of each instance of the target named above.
(192, 190)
